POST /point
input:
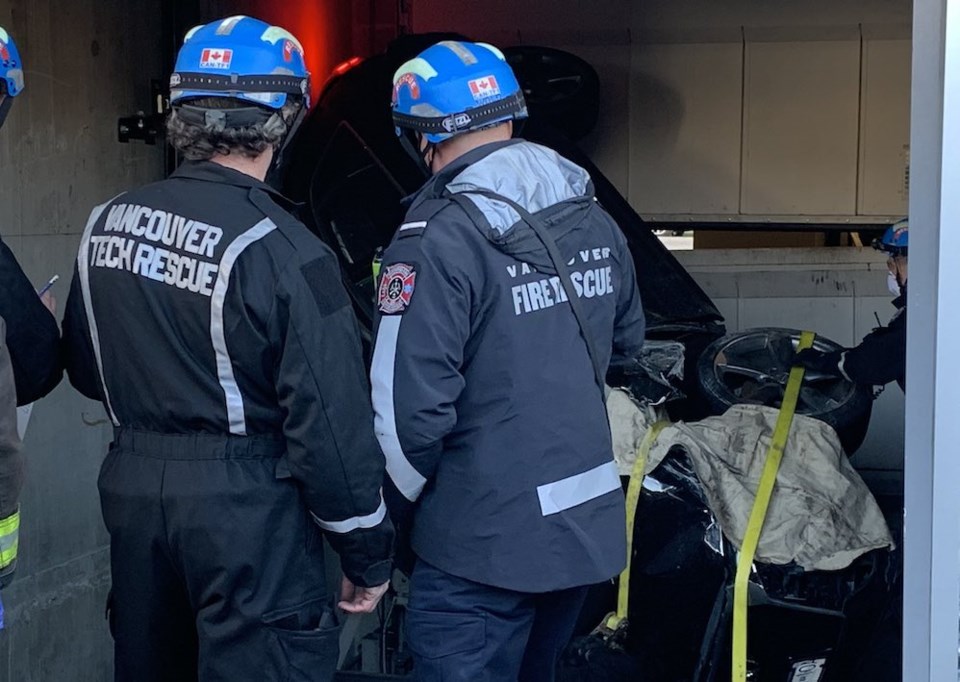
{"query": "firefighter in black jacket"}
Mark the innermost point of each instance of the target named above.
(30, 365)
(216, 331)
(882, 355)
(32, 334)
(487, 390)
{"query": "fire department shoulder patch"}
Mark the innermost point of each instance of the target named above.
(396, 288)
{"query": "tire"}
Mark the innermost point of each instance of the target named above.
(763, 359)
(559, 87)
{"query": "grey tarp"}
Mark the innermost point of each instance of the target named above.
(821, 516)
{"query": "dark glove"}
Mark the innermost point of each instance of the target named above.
(819, 362)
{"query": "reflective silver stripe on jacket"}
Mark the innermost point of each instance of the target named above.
(575, 490)
(369, 521)
(413, 226)
(83, 270)
(228, 382)
(403, 474)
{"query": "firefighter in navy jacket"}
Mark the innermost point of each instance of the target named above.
(216, 331)
(881, 357)
(487, 407)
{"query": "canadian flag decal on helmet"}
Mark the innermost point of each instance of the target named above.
(482, 88)
(212, 58)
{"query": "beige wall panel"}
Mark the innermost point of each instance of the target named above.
(884, 127)
(685, 118)
(801, 115)
(608, 145)
(657, 15)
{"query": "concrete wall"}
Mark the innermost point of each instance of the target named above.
(839, 293)
(87, 63)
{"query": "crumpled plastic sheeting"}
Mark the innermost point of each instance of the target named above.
(655, 373)
(629, 422)
(822, 516)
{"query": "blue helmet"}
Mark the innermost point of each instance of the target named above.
(895, 239)
(241, 58)
(455, 87)
(11, 68)
(11, 73)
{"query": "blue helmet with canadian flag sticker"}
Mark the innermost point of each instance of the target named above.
(11, 68)
(243, 58)
(455, 87)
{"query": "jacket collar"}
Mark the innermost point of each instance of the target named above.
(208, 171)
(443, 178)
(434, 186)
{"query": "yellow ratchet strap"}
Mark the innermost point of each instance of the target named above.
(614, 620)
(759, 513)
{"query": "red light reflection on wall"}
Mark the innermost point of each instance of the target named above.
(322, 26)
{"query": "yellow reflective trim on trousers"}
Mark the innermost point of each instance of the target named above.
(11, 524)
(759, 513)
(9, 539)
(9, 554)
(633, 499)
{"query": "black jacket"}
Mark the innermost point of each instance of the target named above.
(33, 337)
(200, 305)
(882, 355)
(485, 396)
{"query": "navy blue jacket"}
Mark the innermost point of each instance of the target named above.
(882, 355)
(486, 403)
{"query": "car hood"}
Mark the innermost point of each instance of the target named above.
(350, 170)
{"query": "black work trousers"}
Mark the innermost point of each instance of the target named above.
(217, 568)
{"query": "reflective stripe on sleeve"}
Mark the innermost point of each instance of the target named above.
(403, 474)
(576, 490)
(413, 226)
(369, 521)
(228, 382)
(840, 366)
(83, 271)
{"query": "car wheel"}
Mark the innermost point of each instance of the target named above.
(559, 87)
(753, 366)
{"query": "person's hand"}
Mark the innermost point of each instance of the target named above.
(819, 362)
(50, 301)
(355, 599)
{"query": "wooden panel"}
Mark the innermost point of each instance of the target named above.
(884, 128)
(685, 128)
(801, 112)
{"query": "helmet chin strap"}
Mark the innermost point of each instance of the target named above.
(418, 155)
(5, 107)
(292, 128)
